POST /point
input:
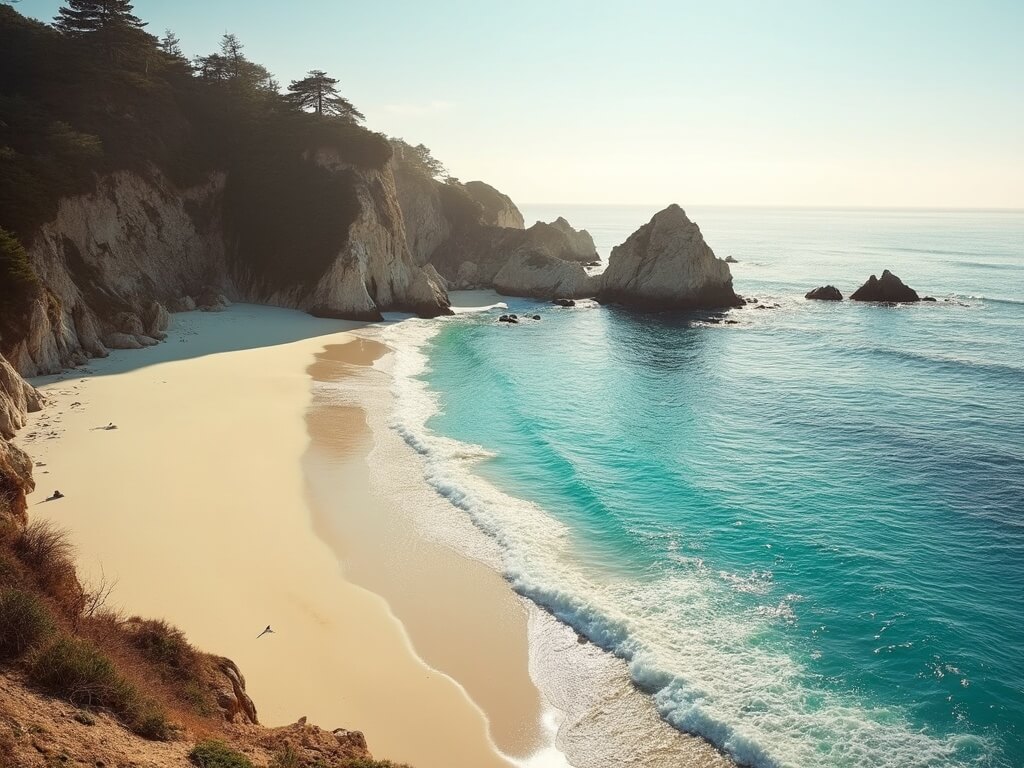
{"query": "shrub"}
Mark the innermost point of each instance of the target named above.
(365, 762)
(78, 671)
(24, 622)
(216, 754)
(10, 571)
(150, 722)
(18, 286)
(286, 758)
(163, 645)
(41, 545)
(46, 552)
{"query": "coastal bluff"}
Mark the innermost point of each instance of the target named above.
(667, 265)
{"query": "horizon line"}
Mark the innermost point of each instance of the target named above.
(932, 209)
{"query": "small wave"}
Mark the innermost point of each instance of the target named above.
(942, 361)
(699, 659)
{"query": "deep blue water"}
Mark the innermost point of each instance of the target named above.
(805, 532)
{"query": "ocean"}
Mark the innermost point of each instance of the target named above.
(803, 533)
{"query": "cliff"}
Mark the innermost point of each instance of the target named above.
(666, 264)
(496, 208)
(113, 259)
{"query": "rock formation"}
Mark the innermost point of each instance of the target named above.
(539, 275)
(498, 210)
(579, 245)
(887, 288)
(825, 293)
(113, 259)
(667, 265)
(17, 398)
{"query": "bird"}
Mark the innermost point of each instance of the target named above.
(267, 631)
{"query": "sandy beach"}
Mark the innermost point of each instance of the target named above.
(201, 504)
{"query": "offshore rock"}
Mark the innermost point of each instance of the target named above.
(541, 276)
(825, 293)
(886, 288)
(667, 265)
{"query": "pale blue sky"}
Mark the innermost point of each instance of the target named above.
(798, 102)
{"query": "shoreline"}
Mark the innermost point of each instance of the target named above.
(196, 504)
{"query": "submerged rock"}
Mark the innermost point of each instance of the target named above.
(888, 288)
(563, 302)
(825, 293)
(730, 260)
(667, 265)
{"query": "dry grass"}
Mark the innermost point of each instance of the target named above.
(25, 621)
(47, 554)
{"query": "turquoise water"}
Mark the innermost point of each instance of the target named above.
(804, 532)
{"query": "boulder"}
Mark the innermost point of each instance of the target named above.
(667, 265)
(157, 319)
(225, 680)
(563, 302)
(128, 322)
(15, 481)
(183, 304)
(17, 398)
(730, 260)
(122, 341)
(888, 288)
(212, 301)
(825, 293)
(539, 275)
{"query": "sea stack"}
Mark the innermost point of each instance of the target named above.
(825, 293)
(667, 265)
(888, 288)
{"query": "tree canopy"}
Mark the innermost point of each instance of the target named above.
(112, 22)
(418, 158)
(317, 93)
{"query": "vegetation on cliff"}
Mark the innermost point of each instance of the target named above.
(97, 93)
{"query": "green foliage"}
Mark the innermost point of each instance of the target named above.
(18, 286)
(316, 93)
(164, 646)
(76, 670)
(417, 159)
(99, 95)
(24, 622)
(288, 217)
(216, 754)
(459, 208)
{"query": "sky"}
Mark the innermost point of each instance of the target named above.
(773, 102)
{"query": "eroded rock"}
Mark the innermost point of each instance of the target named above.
(667, 265)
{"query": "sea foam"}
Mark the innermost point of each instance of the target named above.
(708, 668)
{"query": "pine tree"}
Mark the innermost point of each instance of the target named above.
(80, 17)
(171, 45)
(111, 22)
(317, 93)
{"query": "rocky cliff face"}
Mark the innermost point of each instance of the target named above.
(667, 265)
(423, 216)
(497, 209)
(375, 271)
(578, 244)
(112, 260)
